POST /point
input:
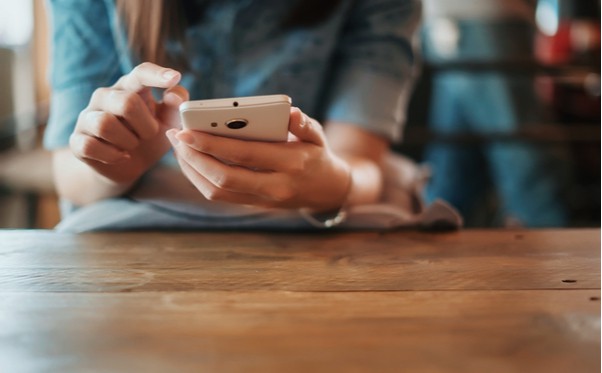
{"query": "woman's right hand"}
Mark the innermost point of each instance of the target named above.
(121, 134)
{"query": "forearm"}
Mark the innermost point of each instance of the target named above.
(366, 181)
(81, 184)
(363, 152)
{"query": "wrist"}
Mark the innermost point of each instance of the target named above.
(336, 216)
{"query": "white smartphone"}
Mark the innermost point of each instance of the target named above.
(258, 118)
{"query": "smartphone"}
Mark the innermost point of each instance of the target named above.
(257, 118)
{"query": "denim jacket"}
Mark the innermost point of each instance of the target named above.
(354, 67)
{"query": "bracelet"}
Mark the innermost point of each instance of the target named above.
(329, 219)
(326, 219)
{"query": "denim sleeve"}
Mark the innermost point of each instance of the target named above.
(374, 66)
(83, 58)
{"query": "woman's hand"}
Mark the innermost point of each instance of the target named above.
(121, 133)
(302, 172)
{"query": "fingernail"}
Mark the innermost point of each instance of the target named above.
(172, 137)
(185, 138)
(303, 121)
(170, 74)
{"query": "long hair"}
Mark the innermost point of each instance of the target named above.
(153, 25)
(150, 26)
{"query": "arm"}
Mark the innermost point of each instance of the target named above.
(364, 152)
(369, 88)
(79, 183)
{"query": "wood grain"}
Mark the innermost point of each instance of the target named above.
(476, 260)
(471, 301)
(463, 331)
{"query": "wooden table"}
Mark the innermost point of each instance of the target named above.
(471, 301)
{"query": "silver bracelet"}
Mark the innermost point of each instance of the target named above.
(324, 220)
(329, 219)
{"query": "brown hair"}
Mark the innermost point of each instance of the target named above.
(150, 24)
(153, 25)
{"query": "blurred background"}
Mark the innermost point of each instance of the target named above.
(506, 112)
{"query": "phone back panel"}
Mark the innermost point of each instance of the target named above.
(266, 121)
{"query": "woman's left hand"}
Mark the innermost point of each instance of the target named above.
(300, 173)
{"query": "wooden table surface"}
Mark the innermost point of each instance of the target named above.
(469, 301)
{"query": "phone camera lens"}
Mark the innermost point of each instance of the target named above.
(235, 103)
(236, 124)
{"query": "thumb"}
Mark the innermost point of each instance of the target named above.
(305, 128)
(168, 112)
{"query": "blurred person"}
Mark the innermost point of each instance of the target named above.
(528, 179)
(120, 69)
(569, 35)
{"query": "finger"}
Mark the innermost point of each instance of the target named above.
(210, 191)
(264, 185)
(291, 157)
(169, 109)
(91, 148)
(175, 95)
(108, 128)
(148, 74)
(305, 128)
(147, 96)
(223, 176)
(128, 106)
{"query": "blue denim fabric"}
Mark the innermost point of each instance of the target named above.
(528, 178)
(355, 67)
(122, 214)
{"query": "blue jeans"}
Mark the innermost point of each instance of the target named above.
(527, 177)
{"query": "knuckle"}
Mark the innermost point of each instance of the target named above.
(240, 157)
(141, 67)
(144, 65)
(148, 133)
(86, 146)
(132, 143)
(120, 81)
(104, 125)
(282, 193)
(99, 93)
(203, 146)
(299, 164)
(82, 118)
(130, 105)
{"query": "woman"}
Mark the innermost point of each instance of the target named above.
(121, 69)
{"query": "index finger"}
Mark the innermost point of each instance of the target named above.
(257, 155)
(148, 74)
